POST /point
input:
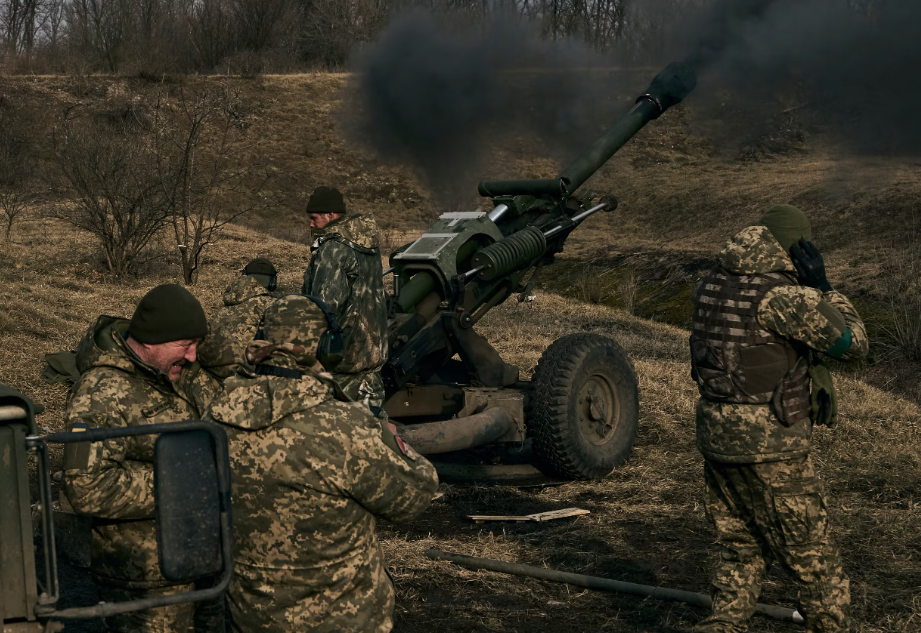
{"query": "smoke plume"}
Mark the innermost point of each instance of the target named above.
(847, 68)
(437, 95)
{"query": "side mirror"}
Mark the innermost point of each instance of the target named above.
(188, 505)
(193, 510)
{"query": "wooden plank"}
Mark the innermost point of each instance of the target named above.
(538, 517)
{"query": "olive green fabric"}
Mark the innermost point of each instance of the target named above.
(260, 266)
(787, 224)
(61, 368)
(167, 313)
(326, 200)
(824, 398)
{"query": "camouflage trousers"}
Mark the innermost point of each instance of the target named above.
(206, 616)
(765, 513)
(366, 387)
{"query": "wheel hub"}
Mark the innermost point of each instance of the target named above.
(597, 409)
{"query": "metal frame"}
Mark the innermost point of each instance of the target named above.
(46, 609)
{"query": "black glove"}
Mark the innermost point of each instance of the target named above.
(809, 265)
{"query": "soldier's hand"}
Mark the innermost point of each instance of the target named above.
(809, 265)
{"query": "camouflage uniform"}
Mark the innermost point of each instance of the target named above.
(234, 326)
(763, 495)
(310, 474)
(345, 271)
(113, 480)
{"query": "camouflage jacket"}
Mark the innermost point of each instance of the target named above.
(113, 480)
(345, 271)
(310, 474)
(752, 433)
(234, 326)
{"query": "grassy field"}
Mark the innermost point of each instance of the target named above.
(679, 199)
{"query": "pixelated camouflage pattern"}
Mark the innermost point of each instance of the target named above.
(309, 476)
(113, 480)
(754, 251)
(233, 326)
(797, 312)
(297, 320)
(751, 433)
(765, 513)
(345, 271)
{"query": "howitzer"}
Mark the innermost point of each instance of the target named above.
(578, 415)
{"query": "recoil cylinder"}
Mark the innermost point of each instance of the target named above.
(512, 253)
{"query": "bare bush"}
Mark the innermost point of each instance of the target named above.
(629, 288)
(17, 162)
(199, 141)
(13, 204)
(112, 176)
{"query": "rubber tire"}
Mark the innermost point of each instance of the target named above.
(551, 407)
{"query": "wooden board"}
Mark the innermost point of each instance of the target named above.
(539, 517)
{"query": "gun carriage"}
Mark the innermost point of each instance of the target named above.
(577, 417)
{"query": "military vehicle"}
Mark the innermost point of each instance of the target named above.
(193, 513)
(577, 417)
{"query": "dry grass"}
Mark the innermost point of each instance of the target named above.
(646, 525)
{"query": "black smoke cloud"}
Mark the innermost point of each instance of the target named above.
(854, 71)
(436, 95)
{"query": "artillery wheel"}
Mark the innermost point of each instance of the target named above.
(583, 407)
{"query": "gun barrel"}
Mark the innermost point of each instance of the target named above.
(669, 87)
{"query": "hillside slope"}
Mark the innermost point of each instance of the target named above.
(647, 523)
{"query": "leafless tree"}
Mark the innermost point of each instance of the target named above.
(111, 175)
(200, 139)
(17, 163)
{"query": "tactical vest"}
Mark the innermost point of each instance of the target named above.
(736, 360)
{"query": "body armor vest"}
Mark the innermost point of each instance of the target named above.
(735, 359)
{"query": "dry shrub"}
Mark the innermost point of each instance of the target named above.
(629, 288)
(593, 286)
(901, 287)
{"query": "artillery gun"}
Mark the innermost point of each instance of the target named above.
(577, 417)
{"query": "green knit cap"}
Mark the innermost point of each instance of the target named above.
(260, 266)
(326, 200)
(294, 319)
(787, 224)
(262, 271)
(167, 313)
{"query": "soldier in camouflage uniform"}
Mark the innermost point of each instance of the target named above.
(236, 323)
(310, 473)
(134, 373)
(760, 318)
(345, 271)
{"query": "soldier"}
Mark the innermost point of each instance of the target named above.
(760, 318)
(310, 473)
(132, 373)
(345, 271)
(235, 324)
